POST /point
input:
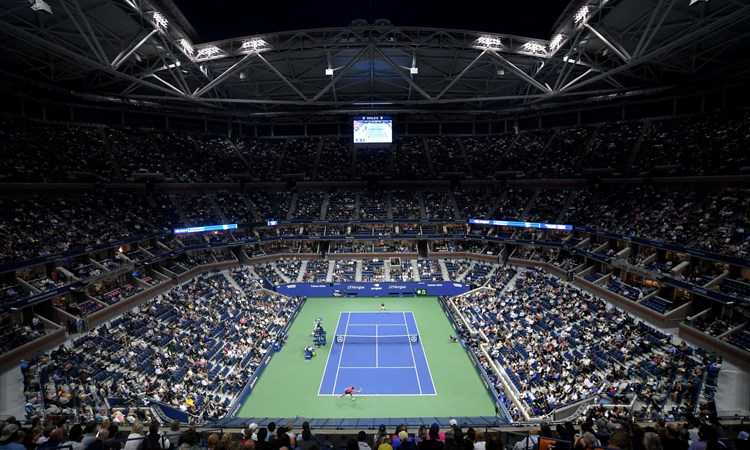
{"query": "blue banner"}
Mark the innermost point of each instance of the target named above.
(670, 247)
(708, 293)
(18, 304)
(362, 289)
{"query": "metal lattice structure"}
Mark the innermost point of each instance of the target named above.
(138, 52)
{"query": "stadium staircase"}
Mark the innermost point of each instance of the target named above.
(578, 166)
(324, 206)
(211, 198)
(238, 153)
(316, 160)
(110, 154)
(444, 270)
(636, 147)
(428, 156)
(292, 206)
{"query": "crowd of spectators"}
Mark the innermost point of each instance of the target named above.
(446, 154)
(698, 145)
(710, 219)
(611, 146)
(335, 161)
(555, 344)
(547, 206)
(405, 205)
(299, 157)
(192, 348)
(412, 162)
(307, 205)
(561, 158)
(342, 205)
(480, 151)
(438, 205)
(261, 155)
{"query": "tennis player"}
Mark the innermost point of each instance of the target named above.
(350, 392)
(382, 307)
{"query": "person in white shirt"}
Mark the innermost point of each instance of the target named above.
(529, 442)
(135, 438)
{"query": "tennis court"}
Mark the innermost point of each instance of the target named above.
(380, 352)
(290, 386)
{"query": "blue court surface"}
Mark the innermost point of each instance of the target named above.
(380, 352)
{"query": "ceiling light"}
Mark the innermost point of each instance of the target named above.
(40, 5)
(533, 47)
(581, 15)
(160, 21)
(208, 52)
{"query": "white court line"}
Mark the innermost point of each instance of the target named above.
(426, 361)
(376, 346)
(381, 395)
(370, 324)
(380, 367)
(413, 359)
(338, 367)
(329, 358)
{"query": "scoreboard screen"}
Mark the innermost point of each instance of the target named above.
(373, 130)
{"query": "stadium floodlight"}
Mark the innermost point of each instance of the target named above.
(187, 47)
(533, 47)
(489, 41)
(582, 15)
(40, 5)
(254, 44)
(556, 41)
(329, 72)
(208, 52)
(160, 21)
(414, 70)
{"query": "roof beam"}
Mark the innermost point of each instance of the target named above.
(460, 75)
(621, 52)
(63, 52)
(92, 42)
(702, 29)
(341, 73)
(282, 77)
(525, 76)
(224, 75)
(125, 53)
(401, 73)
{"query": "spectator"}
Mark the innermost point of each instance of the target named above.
(9, 437)
(174, 434)
(651, 441)
(479, 442)
(361, 441)
(56, 437)
(75, 435)
(619, 439)
(213, 441)
(706, 434)
(385, 443)
(406, 441)
(433, 441)
(89, 434)
(135, 438)
(99, 443)
(155, 440)
(529, 442)
(672, 438)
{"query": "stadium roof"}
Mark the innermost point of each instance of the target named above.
(146, 53)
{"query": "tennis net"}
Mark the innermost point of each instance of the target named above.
(379, 339)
